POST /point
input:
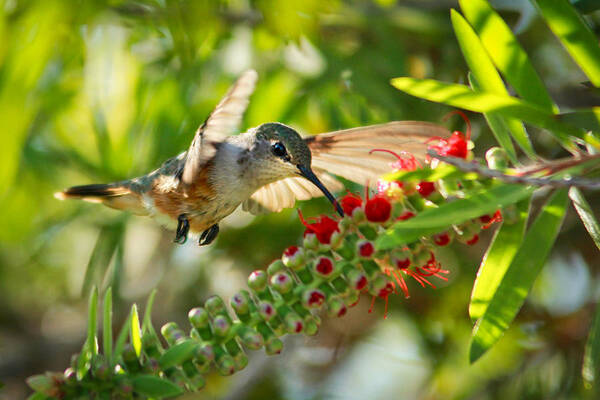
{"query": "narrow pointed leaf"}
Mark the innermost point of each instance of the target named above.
(586, 214)
(177, 354)
(92, 334)
(497, 259)
(591, 356)
(574, 34)
(122, 337)
(135, 331)
(506, 53)
(463, 97)
(485, 74)
(436, 220)
(153, 386)
(108, 239)
(518, 279)
(497, 125)
(107, 326)
(588, 119)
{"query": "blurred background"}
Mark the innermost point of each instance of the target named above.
(97, 91)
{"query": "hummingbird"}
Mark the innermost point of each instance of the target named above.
(265, 169)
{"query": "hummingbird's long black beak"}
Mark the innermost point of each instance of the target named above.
(308, 174)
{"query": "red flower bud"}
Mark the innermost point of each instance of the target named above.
(441, 239)
(323, 228)
(473, 240)
(324, 266)
(378, 209)
(350, 202)
(425, 188)
(366, 249)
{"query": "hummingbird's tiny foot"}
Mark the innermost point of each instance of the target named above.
(183, 227)
(209, 235)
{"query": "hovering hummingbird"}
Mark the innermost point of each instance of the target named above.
(265, 169)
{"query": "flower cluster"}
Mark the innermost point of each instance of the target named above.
(336, 263)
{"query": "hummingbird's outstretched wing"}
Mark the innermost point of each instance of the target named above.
(283, 194)
(221, 123)
(347, 153)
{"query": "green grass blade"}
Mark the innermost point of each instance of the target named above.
(92, 334)
(506, 53)
(122, 337)
(591, 356)
(497, 259)
(107, 326)
(485, 74)
(436, 220)
(518, 279)
(135, 332)
(177, 354)
(462, 96)
(586, 214)
(105, 246)
(574, 34)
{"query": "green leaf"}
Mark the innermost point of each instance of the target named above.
(108, 239)
(497, 259)
(591, 355)
(135, 332)
(38, 396)
(84, 361)
(442, 171)
(520, 275)
(436, 220)
(484, 102)
(153, 386)
(506, 53)
(107, 326)
(574, 34)
(92, 335)
(586, 119)
(122, 337)
(177, 354)
(586, 214)
(497, 125)
(486, 76)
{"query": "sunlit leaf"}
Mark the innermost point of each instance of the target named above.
(586, 214)
(488, 80)
(153, 386)
(506, 52)
(516, 283)
(135, 332)
(462, 96)
(436, 220)
(574, 34)
(92, 334)
(497, 259)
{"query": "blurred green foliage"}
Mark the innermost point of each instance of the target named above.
(95, 91)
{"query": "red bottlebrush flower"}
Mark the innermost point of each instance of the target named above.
(406, 215)
(378, 209)
(441, 239)
(405, 161)
(473, 240)
(425, 188)
(489, 220)
(324, 266)
(366, 249)
(323, 228)
(457, 144)
(350, 202)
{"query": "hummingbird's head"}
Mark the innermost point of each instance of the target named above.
(286, 154)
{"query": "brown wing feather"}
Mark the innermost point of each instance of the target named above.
(346, 153)
(224, 119)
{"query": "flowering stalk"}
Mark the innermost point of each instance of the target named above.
(337, 262)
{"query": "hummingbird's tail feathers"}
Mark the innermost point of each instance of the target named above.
(347, 153)
(114, 195)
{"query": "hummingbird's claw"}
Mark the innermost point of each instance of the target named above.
(183, 227)
(208, 235)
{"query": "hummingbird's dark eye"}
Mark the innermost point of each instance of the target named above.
(279, 149)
